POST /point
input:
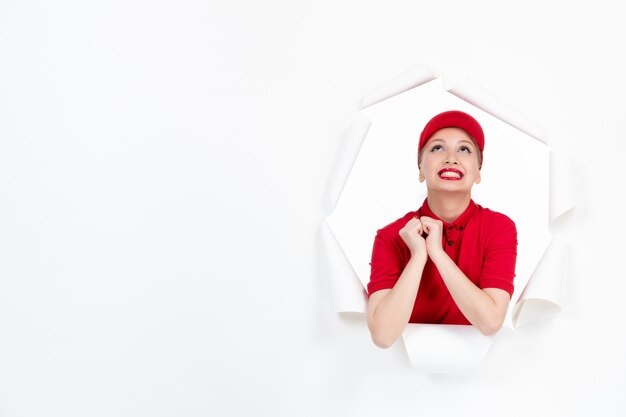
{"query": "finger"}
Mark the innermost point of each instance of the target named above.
(408, 225)
(411, 225)
(416, 230)
(412, 228)
(430, 224)
(412, 221)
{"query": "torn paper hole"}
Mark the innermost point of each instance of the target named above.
(382, 185)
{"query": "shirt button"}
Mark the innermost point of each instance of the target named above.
(449, 243)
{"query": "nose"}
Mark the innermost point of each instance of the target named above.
(451, 158)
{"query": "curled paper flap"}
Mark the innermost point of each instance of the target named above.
(416, 75)
(534, 309)
(477, 96)
(561, 184)
(346, 292)
(541, 298)
(352, 139)
(445, 348)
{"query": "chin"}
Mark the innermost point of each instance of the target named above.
(452, 188)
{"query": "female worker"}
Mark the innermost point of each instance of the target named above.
(451, 261)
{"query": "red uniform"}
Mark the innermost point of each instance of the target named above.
(482, 243)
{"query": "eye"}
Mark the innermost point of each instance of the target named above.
(436, 148)
(465, 149)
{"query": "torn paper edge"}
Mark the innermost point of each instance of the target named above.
(561, 185)
(346, 291)
(410, 78)
(482, 99)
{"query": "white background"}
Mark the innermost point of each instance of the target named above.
(162, 172)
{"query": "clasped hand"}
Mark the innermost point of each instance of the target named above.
(413, 235)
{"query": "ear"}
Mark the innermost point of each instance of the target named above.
(477, 180)
(421, 177)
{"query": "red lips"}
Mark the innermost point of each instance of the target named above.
(450, 177)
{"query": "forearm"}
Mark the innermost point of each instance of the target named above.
(388, 318)
(475, 304)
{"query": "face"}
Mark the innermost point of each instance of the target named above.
(450, 161)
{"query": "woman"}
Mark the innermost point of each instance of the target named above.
(451, 261)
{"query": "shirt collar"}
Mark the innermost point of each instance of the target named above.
(459, 222)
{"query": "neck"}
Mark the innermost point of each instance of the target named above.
(448, 206)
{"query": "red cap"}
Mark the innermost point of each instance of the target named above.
(453, 118)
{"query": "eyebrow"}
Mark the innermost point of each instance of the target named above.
(461, 141)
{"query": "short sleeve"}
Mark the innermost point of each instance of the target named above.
(386, 262)
(500, 256)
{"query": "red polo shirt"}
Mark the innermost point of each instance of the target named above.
(482, 242)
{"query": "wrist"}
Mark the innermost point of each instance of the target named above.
(437, 254)
(418, 257)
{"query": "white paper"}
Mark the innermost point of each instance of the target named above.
(445, 348)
